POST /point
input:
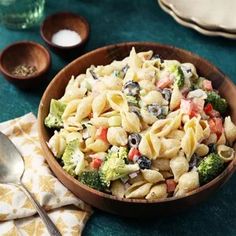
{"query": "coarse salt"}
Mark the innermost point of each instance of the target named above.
(66, 38)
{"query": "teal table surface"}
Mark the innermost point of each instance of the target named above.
(111, 22)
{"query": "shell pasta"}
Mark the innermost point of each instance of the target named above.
(142, 127)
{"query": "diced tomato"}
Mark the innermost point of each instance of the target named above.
(208, 108)
(210, 111)
(102, 134)
(164, 82)
(171, 185)
(192, 107)
(207, 85)
(187, 107)
(133, 153)
(96, 163)
(216, 126)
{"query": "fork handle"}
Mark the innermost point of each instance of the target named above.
(42, 213)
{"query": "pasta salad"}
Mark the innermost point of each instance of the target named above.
(141, 127)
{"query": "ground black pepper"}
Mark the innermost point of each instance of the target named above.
(24, 70)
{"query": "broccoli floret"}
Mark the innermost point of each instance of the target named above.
(115, 168)
(112, 154)
(210, 167)
(53, 120)
(132, 100)
(217, 102)
(73, 158)
(179, 75)
(117, 152)
(91, 179)
(123, 153)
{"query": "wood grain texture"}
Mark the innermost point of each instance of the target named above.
(29, 53)
(65, 20)
(133, 207)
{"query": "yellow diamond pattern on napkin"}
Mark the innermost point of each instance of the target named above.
(17, 215)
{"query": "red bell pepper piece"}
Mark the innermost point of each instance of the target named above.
(96, 163)
(133, 153)
(208, 108)
(102, 134)
(210, 111)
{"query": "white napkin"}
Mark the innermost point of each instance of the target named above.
(17, 215)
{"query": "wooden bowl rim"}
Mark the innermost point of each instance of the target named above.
(50, 158)
(65, 13)
(33, 76)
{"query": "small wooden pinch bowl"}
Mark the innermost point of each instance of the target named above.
(65, 20)
(113, 204)
(25, 53)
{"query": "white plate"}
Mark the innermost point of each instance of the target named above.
(194, 26)
(210, 14)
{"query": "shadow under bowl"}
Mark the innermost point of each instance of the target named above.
(25, 53)
(65, 20)
(107, 202)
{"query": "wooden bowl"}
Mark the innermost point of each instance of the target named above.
(65, 20)
(28, 53)
(109, 203)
